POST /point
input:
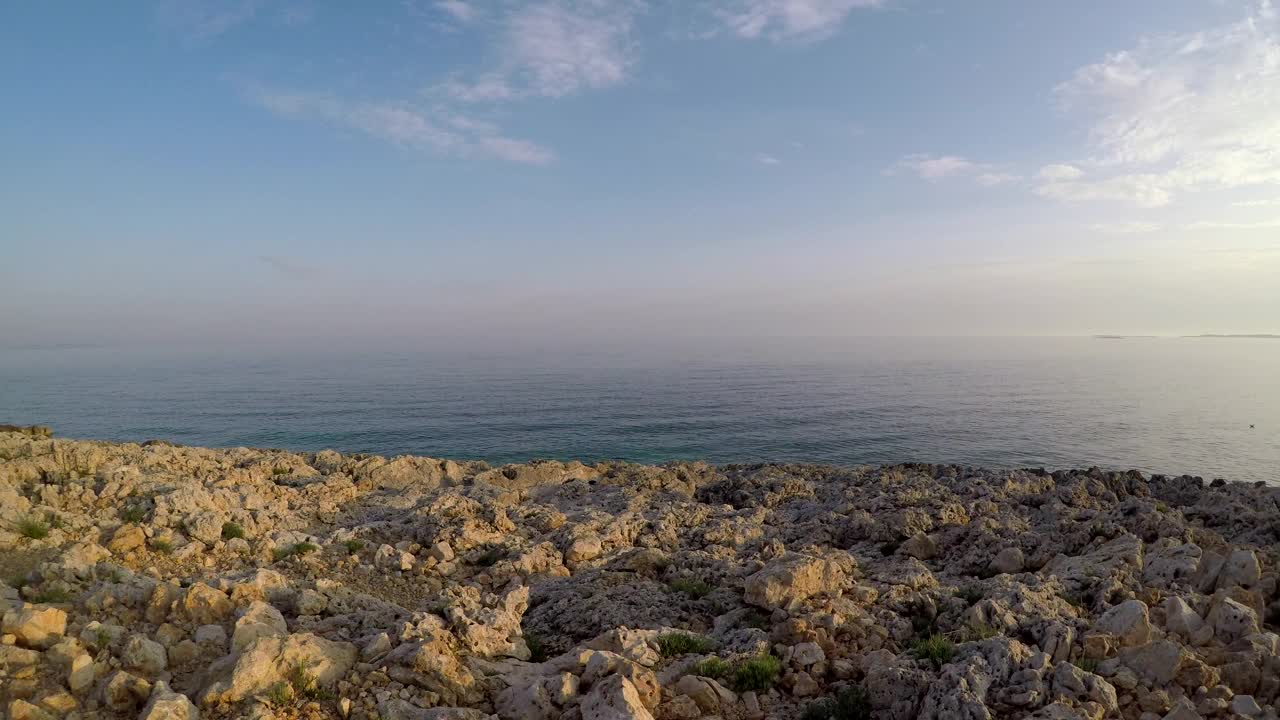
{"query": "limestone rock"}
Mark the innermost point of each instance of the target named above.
(614, 698)
(168, 705)
(794, 577)
(36, 627)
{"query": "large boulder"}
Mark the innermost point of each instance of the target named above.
(269, 660)
(795, 577)
(36, 627)
(168, 705)
(614, 698)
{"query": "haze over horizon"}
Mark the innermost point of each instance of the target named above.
(300, 171)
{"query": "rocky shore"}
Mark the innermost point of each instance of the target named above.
(164, 582)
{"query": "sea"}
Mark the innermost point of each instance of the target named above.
(1200, 406)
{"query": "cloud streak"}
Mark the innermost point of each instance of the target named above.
(794, 20)
(405, 126)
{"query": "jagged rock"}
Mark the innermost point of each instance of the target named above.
(1180, 618)
(20, 709)
(127, 538)
(614, 698)
(144, 656)
(260, 620)
(267, 660)
(919, 546)
(389, 558)
(1231, 620)
(1009, 560)
(168, 705)
(1129, 621)
(1158, 662)
(794, 577)
(206, 605)
(36, 627)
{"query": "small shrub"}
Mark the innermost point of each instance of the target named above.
(134, 514)
(695, 589)
(304, 684)
(55, 521)
(711, 667)
(489, 557)
(277, 471)
(676, 644)
(33, 528)
(280, 694)
(852, 703)
(980, 631)
(937, 649)
(232, 531)
(970, 594)
(164, 547)
(353, 546)
(301, 548)
(101, 638)
(53, 595)
(17, 582)
(1089, 665)
(759, 673)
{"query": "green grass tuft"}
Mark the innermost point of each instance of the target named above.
(55, 521)
(33, 528)
(232, 531)
(301, 548)
(276, 471)
(711, 667)
(852, 703)
(970, 594)
(134, 514)
(676, 644)
(937, 649)
(1088, 665)
(980, 631)
(53, 595)
(164, 547)
(353, 546)
(280, 694)
(695, 589)
(758, 673)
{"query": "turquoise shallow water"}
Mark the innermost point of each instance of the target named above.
(1160, 405)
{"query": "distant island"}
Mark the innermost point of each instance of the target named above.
(1267, 336)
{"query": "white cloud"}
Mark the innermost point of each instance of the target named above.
(557, 48)
(995, 179)
(1058, 173)
(1179, 114)
(1214, 225)
(458, 9)
(1126, 228)
(933, 168)
(1257, 203)
(766, 159)
(790, 19)
(406, 126)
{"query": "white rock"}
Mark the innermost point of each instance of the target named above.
(260, 620)
(1129, 621)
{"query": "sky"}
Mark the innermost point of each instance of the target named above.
(280, 171)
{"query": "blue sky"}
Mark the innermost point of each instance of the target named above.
(248, 169)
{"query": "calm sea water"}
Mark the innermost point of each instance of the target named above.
(1160, 405)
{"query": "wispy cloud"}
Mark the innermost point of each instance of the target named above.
(767, 159)
(995, 179)
(1216, 225)
(1179, 114)
(803, 20)
(1257, 203)
(200, 20)
(555, 49)
(932, 168)
(1126, 228)
(406, 126)
(459, 10)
